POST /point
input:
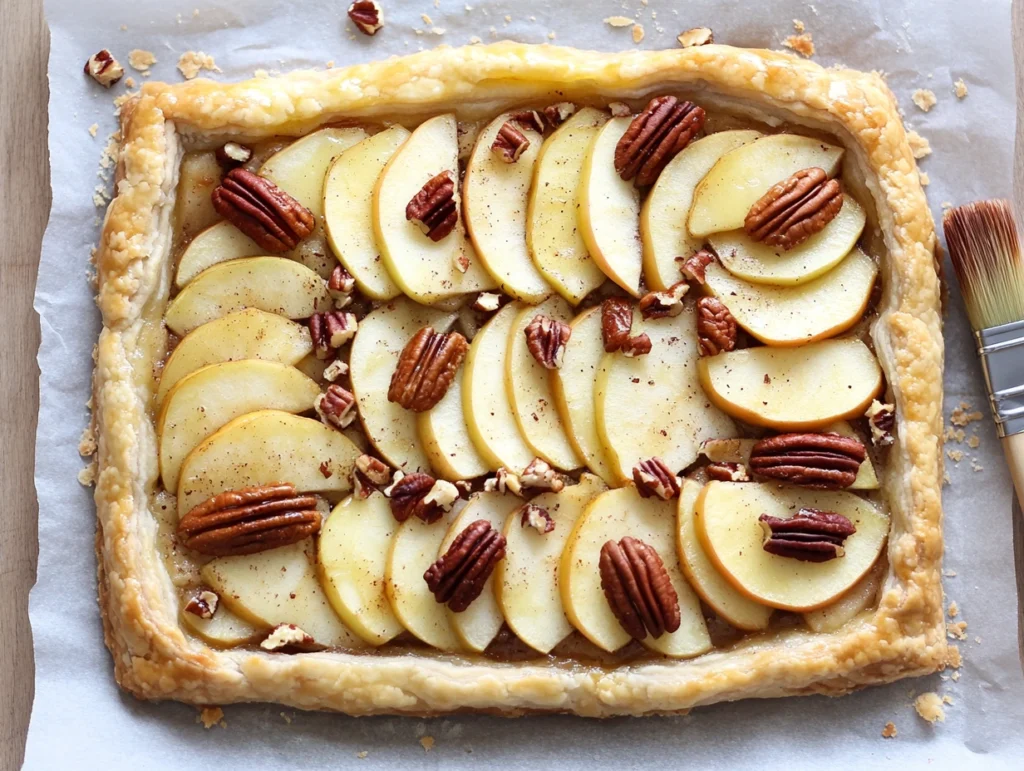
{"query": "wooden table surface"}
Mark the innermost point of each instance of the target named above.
(24, 205)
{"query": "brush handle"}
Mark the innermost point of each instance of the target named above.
(1013, 446)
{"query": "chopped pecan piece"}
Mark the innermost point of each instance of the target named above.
(367, 16)
(820, 461)
(716, 327)
(530, 119)
(341, 285)
(539, 474)
(458, 577)
(654, 477)
(811, 535)
(510, 143)
(104, 68)
(881, 420)
(426, 369)
(659, 305)
(249, 520)
(538, 518)
(330, 330)
(487, 302)
(638, 588)
(288, 638)
(204, 604)
(231, 155)
(639, 345)
(336, 406)
(559, 113)
(619, 109)
(335, 370)
(698, 36)
(655, 136)
(376, 471)
(546, 339)
(727, 471)
(616, 323)
(694, 268)
(503, 481)
(261, 210)
(795, 209)
(433, 208)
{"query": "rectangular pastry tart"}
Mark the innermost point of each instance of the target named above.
(519, 379)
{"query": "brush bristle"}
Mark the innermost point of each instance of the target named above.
(985, 250)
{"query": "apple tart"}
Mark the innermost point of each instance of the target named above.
(515, 379)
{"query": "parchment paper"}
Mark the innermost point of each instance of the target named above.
(81, 720)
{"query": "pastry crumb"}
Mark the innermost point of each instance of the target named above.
(919, 146)
(955, 455)
(973, 441)
(211, 716)
(87, 442)
(192, 63)
(955, 677)
(427, 742)
(957, 630)
(427, 20)
(924, 99)
(799, 26)
(925, 179)
(963, 415)
(698, 36)
(551, 35)
(287, 718)
(475, 40)
(947, 699)
(975, 466)
(141, 60)
(889, 732)
(929, 707)
(959, 88)
(363, 753)
(618, 21)
(87, 476)
(803, 44)
(93, 129)
(638, 33)
(949, 573)
(953, 610)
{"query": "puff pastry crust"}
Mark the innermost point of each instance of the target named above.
(154, 659)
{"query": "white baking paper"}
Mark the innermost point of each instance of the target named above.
(81, 720)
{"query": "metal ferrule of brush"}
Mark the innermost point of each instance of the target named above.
(1002, 359)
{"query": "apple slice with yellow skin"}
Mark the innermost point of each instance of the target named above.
(726, 519)
(485, 401)
(526, 581)
(193, 211)
(653, 405)
(610, 210)
(478, 625)
(263, 448)
(246, 334)
(866, 479)
(573, 387)
(759, 263)
(663, 216)
(529, 386)
(210, 397)
(380, 338)
(445, 438)
(425, 270)
(352, 559)
(413, 550)
(224, 630)
(348, 210)
(279, 586)
(793, 388)
(860, 597)
(272, 284)
(796, 315)
(734, 184)
(552, 222)
(730, 605)
(611, 517)
(218, 243)
(495, 198)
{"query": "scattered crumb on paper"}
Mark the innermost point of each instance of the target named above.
(141, 59)
(963, 414)
(87, 476)
(94, 128)
(802, 44)
(957, 630)
(697, 36)
(192, 63)
(919, 146)
(799, 26)
(362, 754)
(427, 742)
(959, 88)
(638, 33)
(953, 610)
(211, 716)
(889, 732)
(924, 99)
(929, 707)
(619, 21)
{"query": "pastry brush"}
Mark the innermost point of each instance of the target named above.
(985, 250)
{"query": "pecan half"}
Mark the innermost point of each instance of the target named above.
(881, 420)
(653, 477)
(204, 604)
(426, 369)
(458, 577)
(546, 339)
(639, 345)
(510, 143)
(559, 113)
(811, 535)
(433, 208)
(539, 474)
(716, 327)
(727, 471)
(261, 210)
(231, 155)
(616, 323)
(530, 119)
(367, 16)
(821, 461)
(538, 518)
(330, 330)
(638, 588)
(249, 520)
(104, 68)
(659, 305)
(336, 406)
(420, 495)
(655, 136)
(694, 268)
(795, 209)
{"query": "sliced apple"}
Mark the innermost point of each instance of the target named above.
(663, 216)
(793, 388)
(495, 198)
(352, 558)
(653, 405)
(413, 550)
(272, 284)
(761, 264)
(741, 177)
(489, 416)
(866, 479)
(610, 210)
(478, 625)
(193, 212)
(265, 447)
(529, 386)
(526, 581)
(552, 221)
(279, 587)
(348, 210)
(224, 630)
(727, 525)
(246, 334)
(218, 243)
(795, 315)
(861, 596)
(204, 401)
(730, 605)
(425, 270)
(381, 336)
(444, 436)
(610, 517)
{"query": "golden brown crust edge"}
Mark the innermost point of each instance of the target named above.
(154, 659)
